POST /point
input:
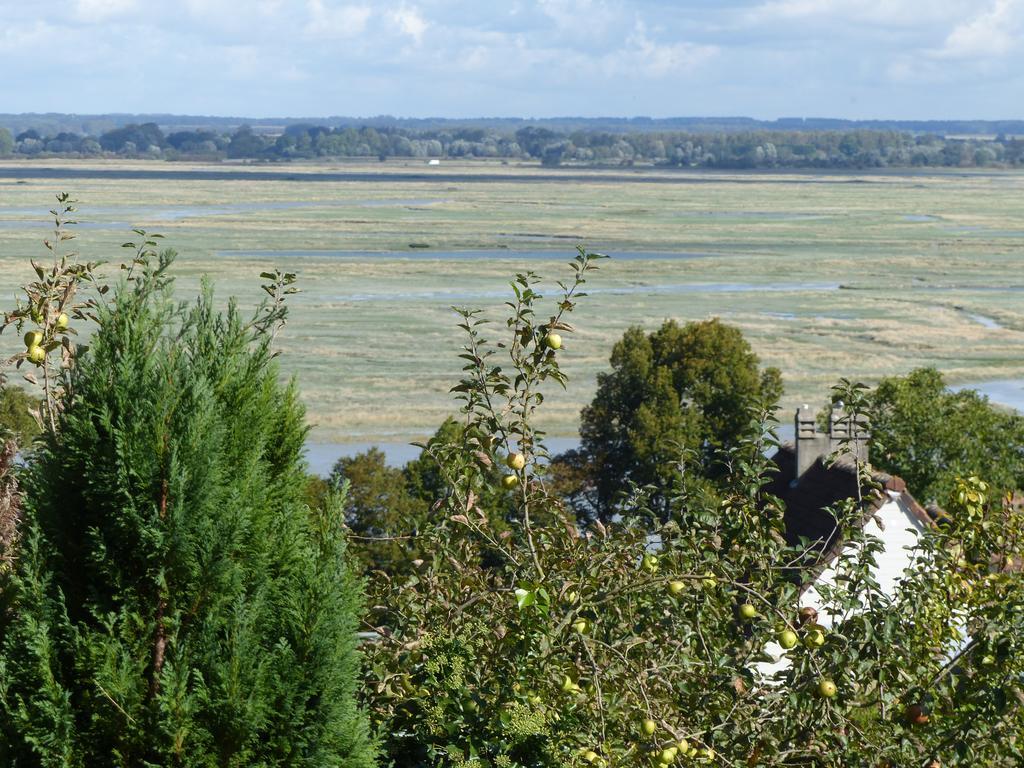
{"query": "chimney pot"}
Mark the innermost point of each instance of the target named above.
(810, 443)
(848, 434)
(843, 436)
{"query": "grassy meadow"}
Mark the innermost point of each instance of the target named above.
(827, 275)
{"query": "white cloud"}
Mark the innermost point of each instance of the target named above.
(14, 37)
(642, 55)
(251, 62)
(409, 21)
(580, 17)
(878, 12)
(343, 21)
(635, 54)
(243, 61)
(992, 33)
(901, 57)
(100, 10)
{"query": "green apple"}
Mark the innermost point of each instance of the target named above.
(683, 746)
(33, 339)
(676, 587)
(815, 637)
(553, 341)
(666, 756)
(515, 461)
(37, 355)
(510, 481)
(747, 611)
(650, 563)
(648, 727)
(826, 689)
(581, 626)
(787, 639)
(62, 321)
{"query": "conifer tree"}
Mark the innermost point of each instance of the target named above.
(176, 603)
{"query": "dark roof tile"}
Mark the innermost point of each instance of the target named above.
(824, 486)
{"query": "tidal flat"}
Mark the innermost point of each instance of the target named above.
(829, 275)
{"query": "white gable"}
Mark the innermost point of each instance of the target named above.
(898, 528)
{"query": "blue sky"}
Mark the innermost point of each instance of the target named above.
(900, 59)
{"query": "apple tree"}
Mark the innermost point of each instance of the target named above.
(678, 635)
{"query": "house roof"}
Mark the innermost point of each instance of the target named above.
(824, 485)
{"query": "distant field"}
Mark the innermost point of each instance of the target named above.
(828, 275)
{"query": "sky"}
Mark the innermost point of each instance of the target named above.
(858, 59)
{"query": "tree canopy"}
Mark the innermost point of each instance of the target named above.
(681, 389)
(930, 436)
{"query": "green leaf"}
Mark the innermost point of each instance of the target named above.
(525, 597)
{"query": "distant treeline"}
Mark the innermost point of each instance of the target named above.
(52, 123)
(755, 148)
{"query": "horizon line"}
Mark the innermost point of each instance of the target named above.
(517, 118)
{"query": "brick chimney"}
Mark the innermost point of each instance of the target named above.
(843, 435)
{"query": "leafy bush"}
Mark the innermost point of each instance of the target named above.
(388, 508)
(648, 639)
(16, 415)
(381, 514)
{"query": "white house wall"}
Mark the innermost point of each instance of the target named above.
(898, 532)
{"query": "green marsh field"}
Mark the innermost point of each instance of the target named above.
(828, 275)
